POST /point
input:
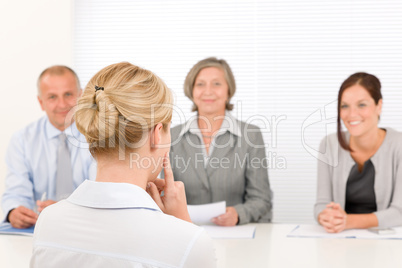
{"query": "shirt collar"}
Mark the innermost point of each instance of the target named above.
(112, 195)
(229, 124)
(52, 131)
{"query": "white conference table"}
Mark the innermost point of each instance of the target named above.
(269, 248)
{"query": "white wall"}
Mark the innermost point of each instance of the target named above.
(33, 36)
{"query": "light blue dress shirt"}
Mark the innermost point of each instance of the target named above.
(31, 161)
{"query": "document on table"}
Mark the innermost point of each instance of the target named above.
(6, 228)
(230, 232)
(318, 231)
(203, 214)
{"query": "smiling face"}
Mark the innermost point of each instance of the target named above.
(358, 111)
(58, 94)
(211, 91)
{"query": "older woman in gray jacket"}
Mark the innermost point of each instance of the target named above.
(216, 156)
(360, 175)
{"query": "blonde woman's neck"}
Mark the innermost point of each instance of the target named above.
(133, 169)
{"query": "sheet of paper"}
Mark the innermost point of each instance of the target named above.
(318, 231)
(202, 214)
(230, 232)
(6, 228)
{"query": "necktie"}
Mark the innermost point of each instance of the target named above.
(64, 177)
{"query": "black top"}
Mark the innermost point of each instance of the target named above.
(360, 196)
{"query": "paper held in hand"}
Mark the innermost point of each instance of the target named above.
(203, 214)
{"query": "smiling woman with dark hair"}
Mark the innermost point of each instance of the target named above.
(360, 178)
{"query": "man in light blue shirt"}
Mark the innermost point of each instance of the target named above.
(32, 154)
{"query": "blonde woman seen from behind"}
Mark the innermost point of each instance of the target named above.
(121, 220)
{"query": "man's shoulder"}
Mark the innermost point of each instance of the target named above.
(33, 127)
(31, 131)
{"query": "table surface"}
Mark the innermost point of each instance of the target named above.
(269, 248)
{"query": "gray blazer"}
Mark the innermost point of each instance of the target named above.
(334, 168)
(237, 171)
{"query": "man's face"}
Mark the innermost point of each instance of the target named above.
(58, 94)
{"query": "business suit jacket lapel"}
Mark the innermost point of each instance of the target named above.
(191, 152)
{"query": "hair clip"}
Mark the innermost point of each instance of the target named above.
(99, 88)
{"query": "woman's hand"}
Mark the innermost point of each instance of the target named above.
(333, 218)
(230, 218)
(173, 202)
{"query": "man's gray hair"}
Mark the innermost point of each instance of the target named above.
(57, 70)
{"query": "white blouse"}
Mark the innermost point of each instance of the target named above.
(116, 225)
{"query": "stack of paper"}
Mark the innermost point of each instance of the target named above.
(318, 231)
(203, 214)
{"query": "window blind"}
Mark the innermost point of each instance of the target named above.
(289, 58)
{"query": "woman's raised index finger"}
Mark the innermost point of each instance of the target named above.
(167, 169)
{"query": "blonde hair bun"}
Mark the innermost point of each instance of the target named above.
(127, 102)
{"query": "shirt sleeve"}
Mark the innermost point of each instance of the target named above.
(324, 181)
(19, 184)
(258, 194)
(202, 253)
(392, 216)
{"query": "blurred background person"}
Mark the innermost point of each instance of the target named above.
(359, 183)
(44, 160)
(216, 156)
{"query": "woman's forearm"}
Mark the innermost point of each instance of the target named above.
(361, 221)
